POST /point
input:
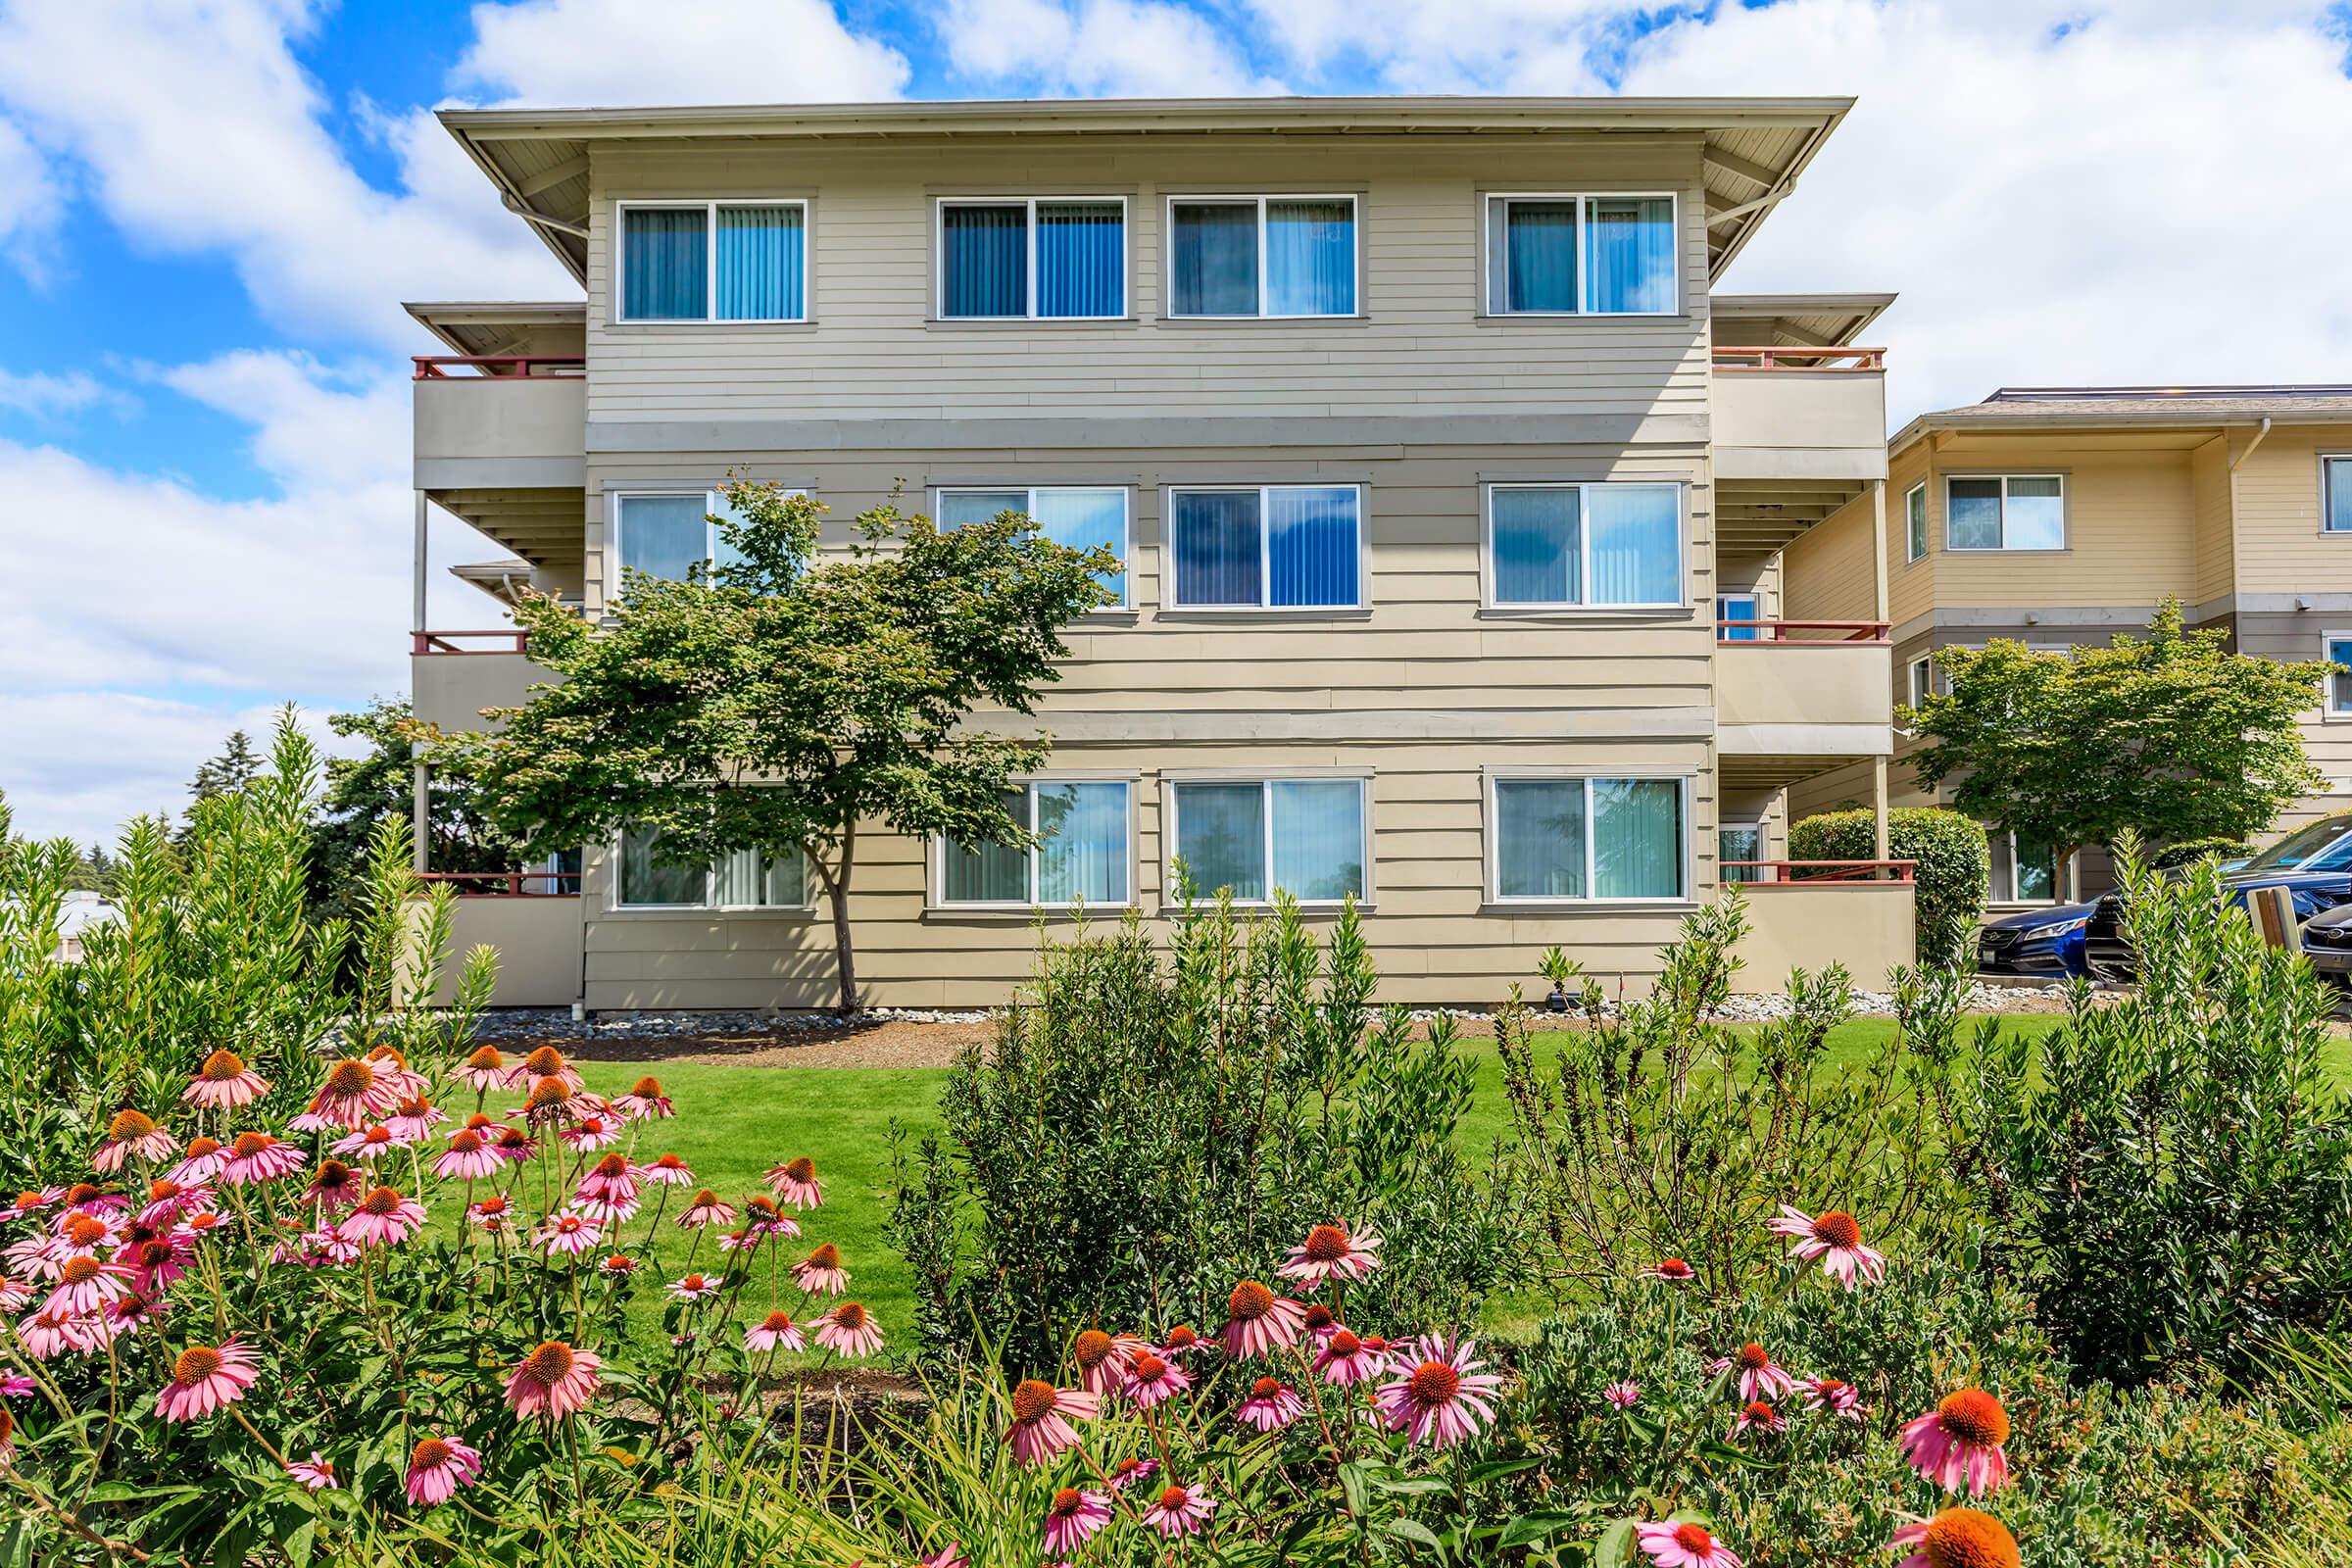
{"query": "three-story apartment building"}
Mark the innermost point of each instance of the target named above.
(1452, 502)
(2057, 516)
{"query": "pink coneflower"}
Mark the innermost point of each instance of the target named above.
(515, 1146)
(775, 1331)
(1180, 1510)
(950, 1556)
(371, 1142)
(1346, 1361)
(469, 1157)
(1073, 1518)
(413, 1119)
(618, 1266)
(1624, 1396)
(1960, 1442)
(1150, 1379)
(541, 1064)
(820, 1273)
(1957, 1537)
(15, 1386)
(1041, 1419)
(160, 1261)
(168, 1199)
(569, 1234)
(484, 1070)
(223, 1083)
(1670, 1270)
(668, 1170)
(14, 1293)
(335, 1185)
(1442, 1395)
(1684, 1545)
(849, 1330)
(1836, 1241)
(132, 1312)
(1332, 1251)
(644, 1102)
(795, 1182)
(437, 1468)
(204, 1379)
(201, 1224)
(85, 1286)
(552, 1381)
(1757, 1415)
(1832, 1396)
(740, 1241)
(592, 1133)
(1258, 1322)
(400, 1081)
(44, 1334)
(693, 1287)
(33, 1200)
(132, 1135)
(759, 1211)
(1272, 1404)
(1760, 1377)
(259, 1157)
(1179, 1343)
(352, 1095)
(1132, 1473)
(315, 1473)
(1318, 1322)
(328, 1245)
(707, 1208)
(85, 1197)
(492, 1213)
(79, 1236)
(383, 1218)
(612, 1178)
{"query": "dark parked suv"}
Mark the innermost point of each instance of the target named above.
(2314, 864)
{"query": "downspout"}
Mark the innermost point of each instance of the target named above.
(530, 215)
(2261, 433)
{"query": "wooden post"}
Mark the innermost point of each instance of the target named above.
(420, 818)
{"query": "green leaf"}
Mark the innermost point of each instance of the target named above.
(1615, 1548)
(1412, 1529)
(1496, 1469)
(1529, 1526)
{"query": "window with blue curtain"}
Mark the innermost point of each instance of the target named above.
(1316, 838)
(1734, 607)
(1531, 256)
(762, 262)
(2335, 475)
(665, 264)
(1636, 546)
(984, 259)
(1636, 838)
(1215, 537)
(1538, 542)
(1213, 258)
(1629, 253)
(1083, 853)
(1539, 838)
(1310, 257)
(1312, 555)
(664, 536)
(986, 873)
(1221, 838)
(1086, 519)
(2339, 682)
(1081, 259)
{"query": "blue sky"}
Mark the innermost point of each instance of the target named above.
(210, 210)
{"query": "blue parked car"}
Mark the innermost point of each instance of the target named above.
(2314, 864)
(2044, 943)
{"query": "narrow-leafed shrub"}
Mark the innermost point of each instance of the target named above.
(1953, 871)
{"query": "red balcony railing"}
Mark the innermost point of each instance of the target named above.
(498, 367)
(1801, 633)
(507, 884)
(1815, 873)
(1800, 359)
(502, 640)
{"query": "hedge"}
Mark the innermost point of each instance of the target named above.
(1954, 867)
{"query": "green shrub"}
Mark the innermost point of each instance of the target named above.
(2191, 850)
(1953, 871)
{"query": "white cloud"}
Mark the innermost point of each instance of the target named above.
(316, 426)
(42, 394)
(1096, 48)
(602, 53)
(32, 202)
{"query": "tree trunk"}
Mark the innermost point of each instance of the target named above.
(837, 886)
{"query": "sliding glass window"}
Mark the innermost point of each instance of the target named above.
(1272, 547)
(1033, 259)
(1561, 546)
(1587, 838)
(1300, 836)
(743, 879)
(1082, 517)
(670, 534)
(1573, 255)
(1083, 854)
(714, 262)
(2005, 511)
(1261, 255)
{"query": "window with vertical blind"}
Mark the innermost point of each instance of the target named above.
(712, 262)
(1582, 255)
(2337, 699)
(1564, 546)
(1915, 522)
(1267, 546)
(1083, 853)
(1258, 256)
(2335, 494)
(668, 533)
(2004, 511)
(745, 879)
(1081, 517)
(1302, 835)
(1033, 259)
(1591, 838)
(2021, 869)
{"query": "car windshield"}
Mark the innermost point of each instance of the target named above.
(2321, 846)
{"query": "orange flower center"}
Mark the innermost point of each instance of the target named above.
(546, 1061)
(154, 1254)
(221, 1066)
(760, 1208)
(1674, 1268)
(416, 1105)
(84, 1231)
(492, 1205)
(776, 1322)
(1318, 1317)
(465, 1141)
(1182, 1338)
(828, 1256)
(162, 1190)
(802, 1169)
(27, 1199)
(1753, 1357)
(647, 1089)
(669, 1162)
(390, 1053)
(81, 1193)
(1693, 1539)
(380, 1202)
(548, 1365)
(1092, 1347)
(1974, 1416)
(706, 1199)
(1828, 1388)
(1963, 1538)
(1250, 1301)
(621, 1262)
(78, 1270)
(431, 1455)
(1174, 1498)
(127, 1125)
(1033, 1400)
(196, 1363)
(377, 1135)
(1758, 1413)
(1838, 1228)
(692, 1282)
(850, 1315)
(1265, 1388)
(612, 1165)
(1343, 1343)
(1435, 1383)
(348, 1078)
(249, 1144)
(547, 1093)
(198, 1148)
(1067, 1501)
(512, 1138)
(1326, 1244)
(486, 1060)
(1149, 1367)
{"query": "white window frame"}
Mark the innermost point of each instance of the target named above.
(1915, 531)
(2328, 712)
(2066, 520)
(708, 905)
(1173, 601)
(1752, 822)
(1130, 782)
(1920, 680)
(940, 492)
(1583, 568)
(2327, 482)
(1172, 835)
(1492, 835)
(2062, 878)
(1355, 231)
(939, 256)
(714, 502)
(710, 316)
(1500, 310)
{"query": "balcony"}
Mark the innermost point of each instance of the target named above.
(1804, 691)
(532, 919)
(455, 674)
(1811, 913)
(1793, 415)
(501, 422)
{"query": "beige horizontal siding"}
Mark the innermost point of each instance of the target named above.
(1829, 570)
(2131, 520)
(2280, 548)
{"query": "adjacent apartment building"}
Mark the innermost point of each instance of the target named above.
(1453, 500)
(2057, 516)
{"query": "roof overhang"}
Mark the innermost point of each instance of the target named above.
(2083, 410)
(486, 326)
(1754, 148)
(1813, 320)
